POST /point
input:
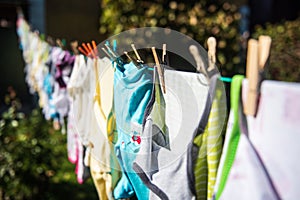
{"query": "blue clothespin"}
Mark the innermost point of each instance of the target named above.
(108, 53)
(115, 45)
(115, 58)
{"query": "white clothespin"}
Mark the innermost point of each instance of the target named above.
(106, 52)
(199, 62)
(164, 53)
(211, 43)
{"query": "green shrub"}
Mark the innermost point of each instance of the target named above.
(28, 158)
(33, 158)
(285, 50)
(197, 19)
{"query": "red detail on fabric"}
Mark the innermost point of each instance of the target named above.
(136, 138)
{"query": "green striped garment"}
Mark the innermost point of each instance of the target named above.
(210, 144)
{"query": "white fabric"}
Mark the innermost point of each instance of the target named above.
(185, 99)
(247, 179)
(72, 138)
(275, 134)
(98, 137)
(79, 59)
(106, 79)
(82, 98)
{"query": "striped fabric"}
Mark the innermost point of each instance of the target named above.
(210, 144)
(201, 168)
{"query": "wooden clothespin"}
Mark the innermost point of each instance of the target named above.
(138, 65)
(211, 44)
(257, 56)
(139, 60)
(160, 73)
(199, 62)
(74, 46)
(50, 41)
(106, 52)
(59, 43)
(127, 55)
(114, 54)
(164, 53)
(264, 45)
(91, 145)
(252, 76)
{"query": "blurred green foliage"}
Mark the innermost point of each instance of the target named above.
(33, 158)
(197, 19)
(285, 50)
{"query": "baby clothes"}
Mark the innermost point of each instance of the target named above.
(50, 86)
(83, 98)
(72, 132)
(30, 59)
(82, 171)
(72, 138)
(23, 31)
(41, 56)
(167, 167)
(73, 90)
(60, 95)
(102, 180)
(241, 174)
(132, 89)
(101, 147)
(210, 141)
(275, 134)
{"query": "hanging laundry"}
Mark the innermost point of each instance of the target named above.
(72, 138)
(172, 153)
(49, 83)
(103, 172)
(210, 142)
(60, 95)
(154, 123)
(82, 171)
(274, 134)
(74, 142)
(241, 174)
(83, 97)
(132, 91)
